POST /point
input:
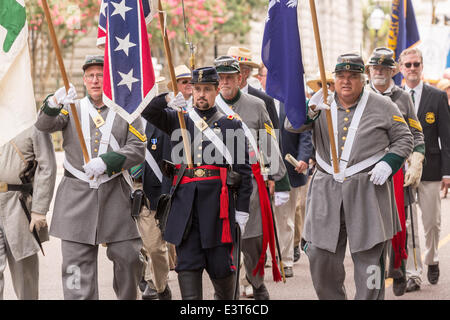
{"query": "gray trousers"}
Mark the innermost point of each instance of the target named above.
(24, 273)
(79, 269)
(251, 249)
(328, 272)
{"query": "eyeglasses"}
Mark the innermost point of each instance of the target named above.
(184, 82)
(90, 77)
(415, 64)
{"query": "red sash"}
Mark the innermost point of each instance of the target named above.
(267, 226)
(224, 204)
(398, 241)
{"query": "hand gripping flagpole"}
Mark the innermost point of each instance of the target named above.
(73, 109)
(186, 142)
(324, 84)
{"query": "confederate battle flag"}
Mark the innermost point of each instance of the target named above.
(128, 76)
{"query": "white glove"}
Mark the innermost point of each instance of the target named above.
(38, 221)
(95, 168)
(281, 198)
(414, 171)
(178, 103)
(317, 101)
(380, 173)
(241, 219)
(61, 97)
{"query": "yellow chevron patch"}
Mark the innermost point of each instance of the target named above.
(64, 112)
(399, 119)
(269, 130)
(414, 124)
(141, 137)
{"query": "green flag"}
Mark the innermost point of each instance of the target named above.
(17, 103)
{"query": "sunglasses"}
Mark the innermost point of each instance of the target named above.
(184, 82)
(409, 64)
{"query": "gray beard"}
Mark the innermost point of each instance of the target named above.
(380, 81)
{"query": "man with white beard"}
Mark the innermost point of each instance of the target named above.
(381, 68)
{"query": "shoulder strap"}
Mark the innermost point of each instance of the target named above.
(18, 152)
(229, 112)
(209, 133)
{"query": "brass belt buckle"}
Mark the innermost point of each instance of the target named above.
(199, 173)
(3, 187)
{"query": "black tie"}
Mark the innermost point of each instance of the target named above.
(412, 96)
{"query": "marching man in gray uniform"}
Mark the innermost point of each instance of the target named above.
(261, 135)
(381, 68)
(93, 203)
(27, 180)
(372, 141)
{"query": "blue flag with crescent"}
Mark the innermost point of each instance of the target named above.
(403, 31)
(282, 56)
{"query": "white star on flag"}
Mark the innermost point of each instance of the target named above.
(103, 8)
(127, 79)
(120, 8)
(124, 44)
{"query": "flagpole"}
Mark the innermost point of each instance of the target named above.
(65, 79)
(324, 84)
(186, 142)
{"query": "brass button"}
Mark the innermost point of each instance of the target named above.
(347, 110)
(96, 133)
(96, 141)
(200, 148)
(199, 156)
(345, 119)
(343, 138)
(345, 129)
(204, 118)
(342, 148)
(95, 150)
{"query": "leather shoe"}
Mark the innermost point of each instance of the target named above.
(399, 286)
(150, 292)
(142, 285)
(288, 272)
(296, 253)
(433, 273)
(412, 285)
(166, 294)
(261, 293)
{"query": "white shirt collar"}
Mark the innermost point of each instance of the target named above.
(245, 89)
(388, 90)
(416, 89)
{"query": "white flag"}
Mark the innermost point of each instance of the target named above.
(17, 103)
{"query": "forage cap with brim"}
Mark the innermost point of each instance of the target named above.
(243, 56)
(227, 64)
(206, 75)
(316, 82)
(93, 60)
(181, 72)
(349, 62)
(382, 57)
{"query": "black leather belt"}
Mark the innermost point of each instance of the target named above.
(201, 173)
(5, 187)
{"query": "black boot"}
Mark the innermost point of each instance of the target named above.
(166, 294)
(224, 288)
(261, 293)
(190, 283)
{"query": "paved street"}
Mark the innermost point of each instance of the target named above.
(297, 288)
